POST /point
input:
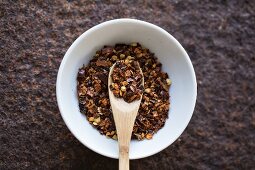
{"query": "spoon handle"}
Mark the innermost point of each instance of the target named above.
(123, 158)
(124, 125)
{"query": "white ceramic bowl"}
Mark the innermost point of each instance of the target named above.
(175, 62)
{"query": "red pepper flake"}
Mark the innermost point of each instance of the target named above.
(103, 63)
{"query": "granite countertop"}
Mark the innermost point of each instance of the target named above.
(219, 37)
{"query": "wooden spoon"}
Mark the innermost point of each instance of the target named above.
(124, 115)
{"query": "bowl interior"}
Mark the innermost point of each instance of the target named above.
(175, 62)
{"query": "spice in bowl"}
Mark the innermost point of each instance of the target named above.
(93, 96)
(127, 80)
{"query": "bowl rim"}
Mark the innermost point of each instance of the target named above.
(98, 26)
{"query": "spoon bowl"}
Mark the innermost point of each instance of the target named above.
(119, 103)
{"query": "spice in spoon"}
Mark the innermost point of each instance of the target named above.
(127, 80)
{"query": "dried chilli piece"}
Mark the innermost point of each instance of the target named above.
(92, 89)
(120, 87)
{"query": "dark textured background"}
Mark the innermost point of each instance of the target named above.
(219, 36)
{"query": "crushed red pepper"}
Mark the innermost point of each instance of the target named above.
(93, 96)
(127, 80)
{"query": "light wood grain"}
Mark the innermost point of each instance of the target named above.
(124, 117)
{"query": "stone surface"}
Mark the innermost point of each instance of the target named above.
(219, 37)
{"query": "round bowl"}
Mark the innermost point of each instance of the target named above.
(170, 53)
